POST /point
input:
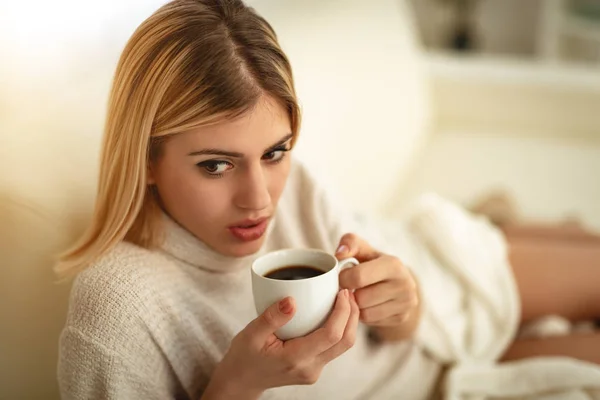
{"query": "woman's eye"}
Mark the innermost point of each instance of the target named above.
(215, 167)
(275, 155)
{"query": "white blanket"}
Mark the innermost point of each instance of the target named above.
(471, 308)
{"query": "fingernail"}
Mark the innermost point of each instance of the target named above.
(285, 306)
(342, 249)
(346, 293)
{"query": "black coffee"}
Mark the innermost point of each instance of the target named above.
(294, 272)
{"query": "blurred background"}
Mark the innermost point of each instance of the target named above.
(491, 103)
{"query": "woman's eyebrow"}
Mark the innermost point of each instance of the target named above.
(280, 142)
(233, 154)
(216, 152)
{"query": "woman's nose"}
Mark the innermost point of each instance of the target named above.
(253, 189)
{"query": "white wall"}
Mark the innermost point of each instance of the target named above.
(550, 179)
(362, 87)
(526, 127)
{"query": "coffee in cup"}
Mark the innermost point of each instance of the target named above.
(310, 276)
(294, 272)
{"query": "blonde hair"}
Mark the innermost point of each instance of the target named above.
(190, 64)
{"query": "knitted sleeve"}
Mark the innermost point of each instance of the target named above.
(89, 370)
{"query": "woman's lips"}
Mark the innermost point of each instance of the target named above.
(250, 232)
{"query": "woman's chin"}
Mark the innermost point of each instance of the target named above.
(243, 249)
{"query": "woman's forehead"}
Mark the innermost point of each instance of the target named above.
(256, 130)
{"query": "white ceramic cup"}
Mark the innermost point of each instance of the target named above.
(314, 296)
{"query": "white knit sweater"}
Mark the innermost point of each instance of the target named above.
(154, 324)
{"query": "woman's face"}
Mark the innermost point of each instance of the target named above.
(222, 182)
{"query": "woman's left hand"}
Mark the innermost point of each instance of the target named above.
(385, 289)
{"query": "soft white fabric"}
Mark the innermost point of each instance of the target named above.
(540, 378)
(480, 320)
(472, 310)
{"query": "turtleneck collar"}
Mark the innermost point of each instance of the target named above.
(183, 245)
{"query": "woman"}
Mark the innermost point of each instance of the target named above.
(196, 181)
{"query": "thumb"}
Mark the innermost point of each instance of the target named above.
(274, 317)
(352, 245)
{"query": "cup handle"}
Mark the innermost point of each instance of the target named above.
(347, 263)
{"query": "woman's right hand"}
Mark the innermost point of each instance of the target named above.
(257, 360)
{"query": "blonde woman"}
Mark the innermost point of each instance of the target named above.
(196, 180)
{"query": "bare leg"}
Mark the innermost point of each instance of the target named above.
(557, 277)
(566, 233)
(584, 347)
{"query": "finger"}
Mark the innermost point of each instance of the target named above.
(371, 272)
(393, 320)
(328, 335)
(273, 318)
(353, 246)
(386, 310)
(349, 336)
(379, 293)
